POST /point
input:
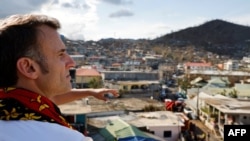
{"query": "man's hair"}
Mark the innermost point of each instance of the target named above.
(19, 38)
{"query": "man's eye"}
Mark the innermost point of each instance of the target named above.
(61, 54)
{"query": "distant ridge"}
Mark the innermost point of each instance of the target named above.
(216, 36)
(212, 32)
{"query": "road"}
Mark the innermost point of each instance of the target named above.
(206, 130)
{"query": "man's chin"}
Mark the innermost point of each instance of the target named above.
(66, 90)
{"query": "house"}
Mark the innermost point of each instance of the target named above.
(79, 112)
(231, 65)
(130, 75)
(120, 130)
(96, 59)
(216, 85)
(138, 85)
(79, 59)
(151, 60)
(217, 82)
(237, 75)
(218, 110)
(165, 125)
(131, 81)
(84, 76)
(198, 80)
(166, 71)
(220, 85)
(242, 91)
(198, 66)
(115, 66)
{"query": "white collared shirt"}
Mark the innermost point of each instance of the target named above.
(31, 130)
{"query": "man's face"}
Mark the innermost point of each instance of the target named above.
(57, 80)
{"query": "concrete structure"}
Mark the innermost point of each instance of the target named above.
(164, 124)
(190, 66)
(84, 76)
(130, 75)
(219, 73)
(231, 65)
(217, 111)
(80, 111)
(79, 59)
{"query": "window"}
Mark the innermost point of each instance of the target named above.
(152, 132)
(125, 87)
(167, 134)
(134, 87)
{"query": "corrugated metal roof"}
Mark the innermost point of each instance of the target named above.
(118, 128)
(196, 80)
(130, 131)
(217, 82)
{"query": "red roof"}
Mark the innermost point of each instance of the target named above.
(198, 64)
(87, 72)
(116, 64)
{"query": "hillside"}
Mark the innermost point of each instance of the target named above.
(217, 36)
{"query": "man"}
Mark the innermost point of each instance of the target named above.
(34, 76)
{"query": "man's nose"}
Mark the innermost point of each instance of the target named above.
(71, 62)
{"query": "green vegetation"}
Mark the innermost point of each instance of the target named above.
(94, 84)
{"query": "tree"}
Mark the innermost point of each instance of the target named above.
(184, 84)
(94, 83)
(223, 92)
(233, 93)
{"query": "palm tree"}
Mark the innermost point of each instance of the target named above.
(233, 93)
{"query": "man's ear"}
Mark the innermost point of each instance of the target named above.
(27, 67)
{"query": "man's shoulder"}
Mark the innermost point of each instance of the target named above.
(37, 130)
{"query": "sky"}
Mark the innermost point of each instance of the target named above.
(129, 19)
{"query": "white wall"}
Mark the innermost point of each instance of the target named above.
(159, 131)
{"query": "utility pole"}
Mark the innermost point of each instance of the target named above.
(72, 73)
(197, 106)
(198, 98)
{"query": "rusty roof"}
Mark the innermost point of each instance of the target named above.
(87, 72)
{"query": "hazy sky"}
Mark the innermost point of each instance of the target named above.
(134, 19)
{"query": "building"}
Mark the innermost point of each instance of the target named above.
(163, 124)
(79, 112)
(85, 76)
(190, 66)
(118, 129)
(231, 65)
(218, 110)
(79, 59)
(130, 75)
